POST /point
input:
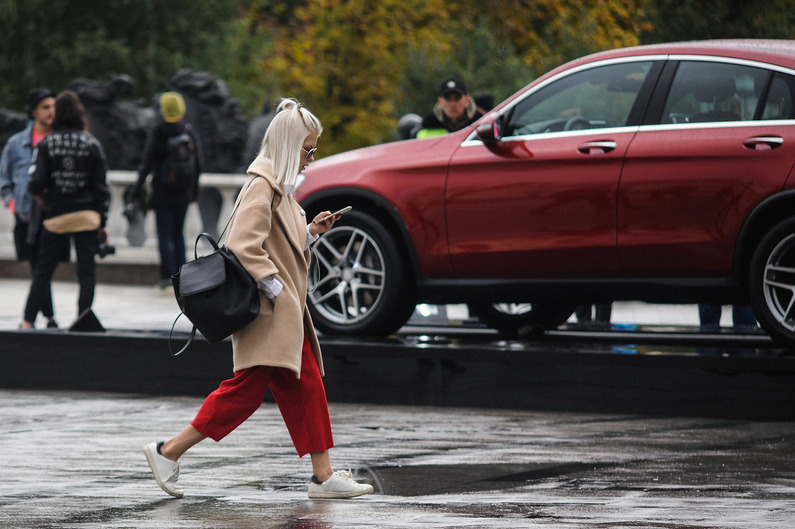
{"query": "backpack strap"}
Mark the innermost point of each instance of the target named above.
(187, 344)
(221, 236)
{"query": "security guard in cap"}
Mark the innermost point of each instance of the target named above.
(454, 110)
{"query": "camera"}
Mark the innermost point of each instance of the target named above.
(103, 248)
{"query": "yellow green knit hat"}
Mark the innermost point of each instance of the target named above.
(172, 106)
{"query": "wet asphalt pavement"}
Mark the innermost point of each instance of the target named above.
(74, 460)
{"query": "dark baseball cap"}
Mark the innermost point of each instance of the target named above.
(451, 85)
(36, 96)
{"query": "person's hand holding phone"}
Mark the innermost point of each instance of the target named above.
(325, 220)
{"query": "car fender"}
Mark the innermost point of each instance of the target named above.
(372, 203)
(764, 216)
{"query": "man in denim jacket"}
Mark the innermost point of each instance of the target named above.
(14, 174)
(16, 159)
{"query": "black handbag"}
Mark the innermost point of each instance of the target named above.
(215, 292)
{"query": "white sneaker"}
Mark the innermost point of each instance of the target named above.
(165, 470)
(339, 485)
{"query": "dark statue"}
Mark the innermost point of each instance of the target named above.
(217, 117)
(122, 126)
(223, 132)
(256, 131)
(10, 122)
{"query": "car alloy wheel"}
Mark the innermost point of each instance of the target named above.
(772, 280)
(357, 282)
(779, 282)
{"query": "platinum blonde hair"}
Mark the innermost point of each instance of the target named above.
(284, 139)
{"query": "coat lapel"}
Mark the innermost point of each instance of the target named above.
(290, 213)
(286, 210)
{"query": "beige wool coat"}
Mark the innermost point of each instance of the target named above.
(272, 243)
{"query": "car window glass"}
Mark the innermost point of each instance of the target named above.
(779, 100)
(704, 92)
(591, 99)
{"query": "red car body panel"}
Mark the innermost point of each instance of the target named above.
(548, 211)
(552, 207)
(667, 226)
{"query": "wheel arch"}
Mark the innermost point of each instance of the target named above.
(764, 216)
(373, 204)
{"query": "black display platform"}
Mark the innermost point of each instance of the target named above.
(568, 372)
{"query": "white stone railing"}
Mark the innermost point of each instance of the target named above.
(227, 184)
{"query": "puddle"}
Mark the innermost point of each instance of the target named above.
(424, 480)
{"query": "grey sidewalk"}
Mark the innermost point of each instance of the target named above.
(73, 460)
(144, 307)
(133, 307)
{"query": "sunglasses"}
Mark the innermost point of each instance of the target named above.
(311, 152)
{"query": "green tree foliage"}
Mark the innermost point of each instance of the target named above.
(673, 20)
(486, 63)
(243, 65)
(547, 33)
(50, 43)
(345, 59)
(500, 49)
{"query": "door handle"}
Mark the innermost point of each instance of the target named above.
(597, 147)
(763, 143)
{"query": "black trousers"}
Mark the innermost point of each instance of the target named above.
(26, 241)
(51, 247)
(170, 221)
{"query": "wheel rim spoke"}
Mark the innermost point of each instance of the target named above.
(779, 282)
(331, 249)
(784, 269)
(350, 276)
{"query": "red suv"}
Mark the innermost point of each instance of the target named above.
(656, 173)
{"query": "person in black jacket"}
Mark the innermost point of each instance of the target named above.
(454, 110)
(69, 178)
(170, 195)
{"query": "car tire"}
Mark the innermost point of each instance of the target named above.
(521, 319)
(772, 282)
(358, 283)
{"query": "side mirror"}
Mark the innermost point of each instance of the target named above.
(490, 132)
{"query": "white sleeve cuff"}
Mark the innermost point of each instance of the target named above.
(271, 286)
(309, 237)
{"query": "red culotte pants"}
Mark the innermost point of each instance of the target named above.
(301, 401)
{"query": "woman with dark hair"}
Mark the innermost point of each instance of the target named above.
(279, 350)
(69, 180)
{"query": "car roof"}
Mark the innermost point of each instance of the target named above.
(777, 52)
(781, 52)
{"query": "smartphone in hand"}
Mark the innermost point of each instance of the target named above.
(339, 212)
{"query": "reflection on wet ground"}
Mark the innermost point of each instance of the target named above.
(619, 339)
(458, 479)
(73, 460)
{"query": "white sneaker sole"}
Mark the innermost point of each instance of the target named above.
(153, 467)
(339, 495)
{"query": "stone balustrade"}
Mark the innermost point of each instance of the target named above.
(227, 184)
